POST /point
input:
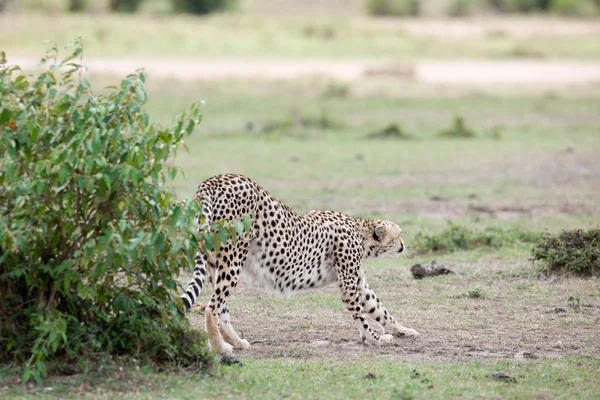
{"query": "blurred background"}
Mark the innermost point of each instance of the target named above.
(484, 112)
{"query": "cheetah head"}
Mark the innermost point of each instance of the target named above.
(386, 240)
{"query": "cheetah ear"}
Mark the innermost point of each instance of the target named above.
(379, 232)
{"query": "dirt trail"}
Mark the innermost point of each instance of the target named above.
(531, 72)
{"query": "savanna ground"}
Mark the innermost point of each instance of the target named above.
(532, 166)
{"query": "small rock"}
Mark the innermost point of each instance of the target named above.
(422, 271)
(557, 310)
(558, 344)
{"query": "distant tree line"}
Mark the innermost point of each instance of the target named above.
(467, 7)
(125, 6)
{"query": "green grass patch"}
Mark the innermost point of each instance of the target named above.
(254, 36)
(398, 379)
(575, 251)
(457, 237)
(458, 129)
(391, 131)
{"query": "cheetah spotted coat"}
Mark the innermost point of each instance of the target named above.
(287, 252)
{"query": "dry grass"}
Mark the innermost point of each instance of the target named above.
(514, 314)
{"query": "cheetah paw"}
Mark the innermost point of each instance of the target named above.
(243, 344)
(406, 332)
(226, 348)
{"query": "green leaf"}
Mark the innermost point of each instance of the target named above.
(26, 374)
(239, 227)
(209, 241)
(5, 116)
(176, 215)
(190, 127)
(217, 242)
(233, 234)
(223, 235)
(247, 221)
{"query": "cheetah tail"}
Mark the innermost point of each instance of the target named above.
(195, 286)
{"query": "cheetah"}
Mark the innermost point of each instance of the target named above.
(286, 252)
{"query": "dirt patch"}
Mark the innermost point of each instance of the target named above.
(496, 26)
(513, 316)
(434, 72)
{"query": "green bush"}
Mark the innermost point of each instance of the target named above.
(77, 5)
(576, 251)
(129, 6)
(202, 6)
(458, 129)
(575, 7)
(457, 237)
(390, 131)
(393, 7)
(3, 4)
(521, 5)
(91, 236)
(562, 7)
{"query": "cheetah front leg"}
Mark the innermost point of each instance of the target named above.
(348, 281)
(224, 277)
(375, 309)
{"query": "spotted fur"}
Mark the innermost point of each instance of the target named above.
(286, 252)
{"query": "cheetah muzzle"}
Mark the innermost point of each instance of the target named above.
(286, 252)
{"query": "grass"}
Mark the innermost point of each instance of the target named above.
(274, 36)
(420, 182)
(457, 130)
(457, 237)
(541, 174)
(573, 378)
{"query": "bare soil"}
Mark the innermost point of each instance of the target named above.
(517, 313)
(532, 72)
(515, 318)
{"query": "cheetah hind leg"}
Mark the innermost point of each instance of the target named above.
(229, 334)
